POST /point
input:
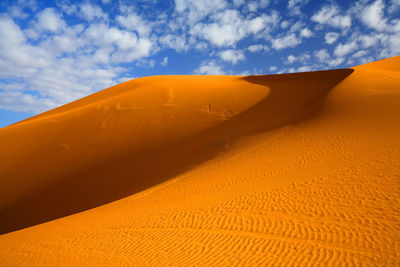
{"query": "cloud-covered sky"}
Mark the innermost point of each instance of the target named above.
(54, 52)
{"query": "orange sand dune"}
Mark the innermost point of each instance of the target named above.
(209, 170)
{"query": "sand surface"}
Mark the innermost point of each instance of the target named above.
(290, 169)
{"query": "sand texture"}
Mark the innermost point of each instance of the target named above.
(274, 170)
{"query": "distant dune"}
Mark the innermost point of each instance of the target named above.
(262, 170)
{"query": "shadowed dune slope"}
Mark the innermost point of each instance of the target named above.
(210, 170)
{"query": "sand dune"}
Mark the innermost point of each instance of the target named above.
(284, 169)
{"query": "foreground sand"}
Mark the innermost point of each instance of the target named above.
(210, 170)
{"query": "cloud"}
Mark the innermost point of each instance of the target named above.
(303, 58)
(284, 24)
(336, 62)
(394, 6)
(134, 22)
(164, 62)
(372, 16)
(17, 12)
(367, 41)
(330, 15)
(256, 5)
(306, 33)
(304, 69)
(238, 3)
(290, 59)
(331, 37)
(344, 49)
(10, 32)
(294, 6)
(20, 102)
(228, 27)
(225, 31)
(290, 40)
(232, 56)
(196, 10)
(49, 20)
(258, 48)
(209, 68)
(102, 35)
(91, 12)
(66, 63)
(322, 55)
(360, 53)
(176, 42)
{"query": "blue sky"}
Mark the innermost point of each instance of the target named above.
(53, 52)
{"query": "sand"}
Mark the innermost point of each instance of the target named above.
(290, 169)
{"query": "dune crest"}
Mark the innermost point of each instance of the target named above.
(210, 170)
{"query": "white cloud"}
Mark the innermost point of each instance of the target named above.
(306, 33)
(10, 32)
(232, 56)
(256, 5)
(176, 42)
(17, 56)
(258, 48)
(360, 53)
(196, 10)
(336, 62)
(229, 27)
(238, 3)
(209, 68)
(294, 6)
(17, 12)
(330, 15)
(296, 26)
(290, 40)
(201, 46)
(304, 69)
(394, 43)
(290, 59)
(322, 55)
(331, 37)
(367, 41)
(90, 12)
(49, 20)
(344, 49)
(373, 16)
(303, 58)
(67, 63)
(273, 68)
(164, 62)
(146, 63)
(101, 35)
(134, 22)
(394, 6)
(70, 9)
(224, 32)
(285, 24)
(20, 102)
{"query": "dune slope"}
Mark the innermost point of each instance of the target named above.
(197, 170)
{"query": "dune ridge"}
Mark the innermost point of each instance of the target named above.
(191, 170)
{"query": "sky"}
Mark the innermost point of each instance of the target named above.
(54, 52)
